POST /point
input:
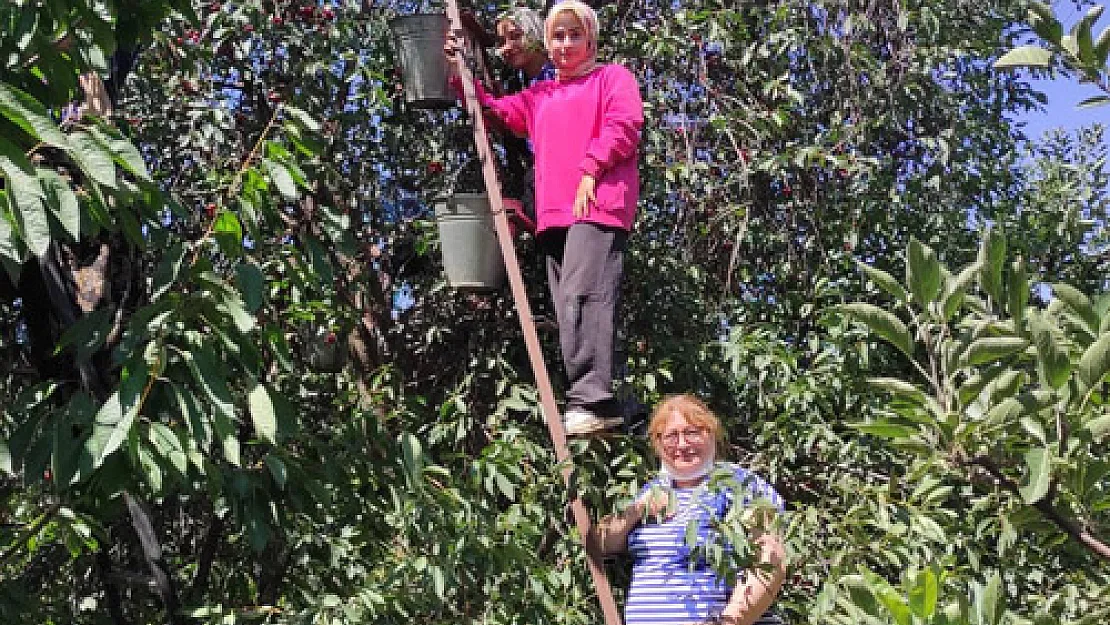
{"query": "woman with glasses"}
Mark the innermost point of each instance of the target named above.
(673, 584)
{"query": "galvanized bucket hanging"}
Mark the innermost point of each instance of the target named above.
(471, 254)
(419, 42)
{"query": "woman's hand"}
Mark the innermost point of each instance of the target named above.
(584, 196)
(453, 49)
(655, 504)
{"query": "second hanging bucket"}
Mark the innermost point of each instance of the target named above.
(471, 253)
(419, 43)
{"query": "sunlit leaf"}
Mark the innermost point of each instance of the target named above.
(881, 322)
(62, 201)
(262, 413)
(992, 257)
(1095, 362)
(884, 280)
(923, 272)
(93, 158)
(1038, 463)
(1025, 56)
(30, 115)
(992, 348)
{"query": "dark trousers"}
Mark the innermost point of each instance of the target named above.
(584, 267)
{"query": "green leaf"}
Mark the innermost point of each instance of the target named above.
(883, 280)
(27, 196)
(281, 178)
(1098, 427)
(1079, 303)
(229, 234)
(233, 306)
(413, 457)
(5, 458)
(251, 284)
(992, 348)
(1025, 57)
(1044, 23)
(277, 469)
(1093, 101)
(1095, 363)
(115, 418)
(62, 201)
(884, 429)
(955, 287)
(992, 256)
(202, 364)
(93, 158)
(169, 446)
(262, 414)
(888, 597)
(1038, 462)
(123, 152)
(304, 118)
(990, 603)
(923, 273)
(30, 115)
(1017, 292)
(11, 250)
(169, 269)
(923, 594)
(1102, 48)
(1084, 41)
(881, 322)
(896, 386)
(1052, 359)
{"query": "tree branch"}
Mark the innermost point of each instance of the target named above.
(1069, 525)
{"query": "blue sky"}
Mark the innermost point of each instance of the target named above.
(1064, 92)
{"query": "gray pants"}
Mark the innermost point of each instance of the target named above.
(584, 267)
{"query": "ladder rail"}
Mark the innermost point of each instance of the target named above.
(527, 323)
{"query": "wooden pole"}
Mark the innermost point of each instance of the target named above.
(527, 323)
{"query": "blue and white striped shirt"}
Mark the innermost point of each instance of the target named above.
(666, 589)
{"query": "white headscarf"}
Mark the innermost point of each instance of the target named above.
(588, 18)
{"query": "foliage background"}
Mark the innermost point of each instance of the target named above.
(237, 389)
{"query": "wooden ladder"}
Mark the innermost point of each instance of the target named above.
(527, 323)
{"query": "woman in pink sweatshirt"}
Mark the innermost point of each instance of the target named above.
(585, 132)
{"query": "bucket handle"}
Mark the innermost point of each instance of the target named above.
(453, 179)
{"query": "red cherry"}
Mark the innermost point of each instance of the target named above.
(180, 41)
(47, 475)
(435, 167)
(787, 191)
(328, 14)
(210, 210)
(330, 338)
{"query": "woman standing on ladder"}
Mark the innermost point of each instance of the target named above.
(520, 46)
(585, 132)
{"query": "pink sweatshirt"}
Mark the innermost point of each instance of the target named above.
(585, 125)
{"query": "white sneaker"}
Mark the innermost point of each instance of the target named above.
(579, 422)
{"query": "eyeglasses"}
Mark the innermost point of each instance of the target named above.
(692, 435)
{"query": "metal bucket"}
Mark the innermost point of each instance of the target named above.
(419, 42)
(471, 254)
